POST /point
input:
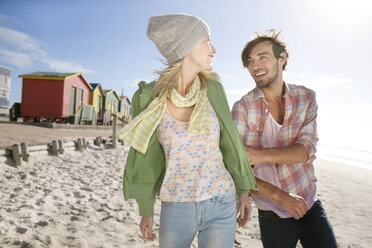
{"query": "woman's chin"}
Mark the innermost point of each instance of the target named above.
(209, 68)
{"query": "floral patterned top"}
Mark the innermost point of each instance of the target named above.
(194, 167)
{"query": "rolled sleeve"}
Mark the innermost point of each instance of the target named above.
(308, 135)
(239, 117)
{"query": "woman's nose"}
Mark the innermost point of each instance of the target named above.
(213, 49)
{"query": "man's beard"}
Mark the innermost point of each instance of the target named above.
(265, 84)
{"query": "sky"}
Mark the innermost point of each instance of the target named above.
(329, 45)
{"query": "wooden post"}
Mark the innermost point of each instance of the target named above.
(97, 141)
(84, 144)
(16, 153)
(114, 139)
(25, 153)
(60, 147)
(80, 144)
(54, 148)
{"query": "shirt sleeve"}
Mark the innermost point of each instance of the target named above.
(307, 135)
(239, 117)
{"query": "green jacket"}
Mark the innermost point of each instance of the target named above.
(144, 173)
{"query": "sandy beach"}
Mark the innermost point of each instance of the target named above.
(76, 200)
(13, 133)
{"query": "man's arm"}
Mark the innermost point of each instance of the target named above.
(308, 135)
(292, 154)
(304, 147)
(299, 152)
(295, 205)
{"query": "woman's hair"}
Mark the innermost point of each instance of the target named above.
(170, 78)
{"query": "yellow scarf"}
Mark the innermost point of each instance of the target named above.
(138, 132)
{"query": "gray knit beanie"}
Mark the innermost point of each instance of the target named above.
(176, 34)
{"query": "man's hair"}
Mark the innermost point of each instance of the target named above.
(272, 36)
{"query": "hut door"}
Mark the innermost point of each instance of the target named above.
(113, 110)
(80, 98)
(98, 105)
(73, 100)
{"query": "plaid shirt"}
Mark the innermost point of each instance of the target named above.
(299, 127)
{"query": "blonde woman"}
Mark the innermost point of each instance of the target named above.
(184, 144)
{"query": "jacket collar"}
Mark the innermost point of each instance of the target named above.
(218, 100)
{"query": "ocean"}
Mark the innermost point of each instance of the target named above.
(344, 155)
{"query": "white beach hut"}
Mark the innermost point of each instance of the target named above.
(5, 76)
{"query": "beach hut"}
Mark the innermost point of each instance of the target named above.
(111, 105)
(96, 99)
(5, 76)
(125, 107)
(53, 96)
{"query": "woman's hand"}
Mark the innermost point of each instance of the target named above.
(146, 228)
(244, 208)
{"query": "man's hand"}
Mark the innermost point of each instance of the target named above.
(244, 208)
(146, 228)
(295, 205)
(254, 155)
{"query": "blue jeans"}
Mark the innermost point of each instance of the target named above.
(214, 219)
(313, 229)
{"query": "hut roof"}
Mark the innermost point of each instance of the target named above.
(112, 91)
(94, 86)
(54, 76)
(125, 98)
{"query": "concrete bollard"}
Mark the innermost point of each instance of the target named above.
(54, 148)
(60, 147)
(24, 150)
(16, 154)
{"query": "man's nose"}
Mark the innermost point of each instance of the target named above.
(255, 64)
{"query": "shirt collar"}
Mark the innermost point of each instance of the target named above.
(287, 90)
(259, 94)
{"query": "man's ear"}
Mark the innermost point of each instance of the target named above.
(282, 58)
